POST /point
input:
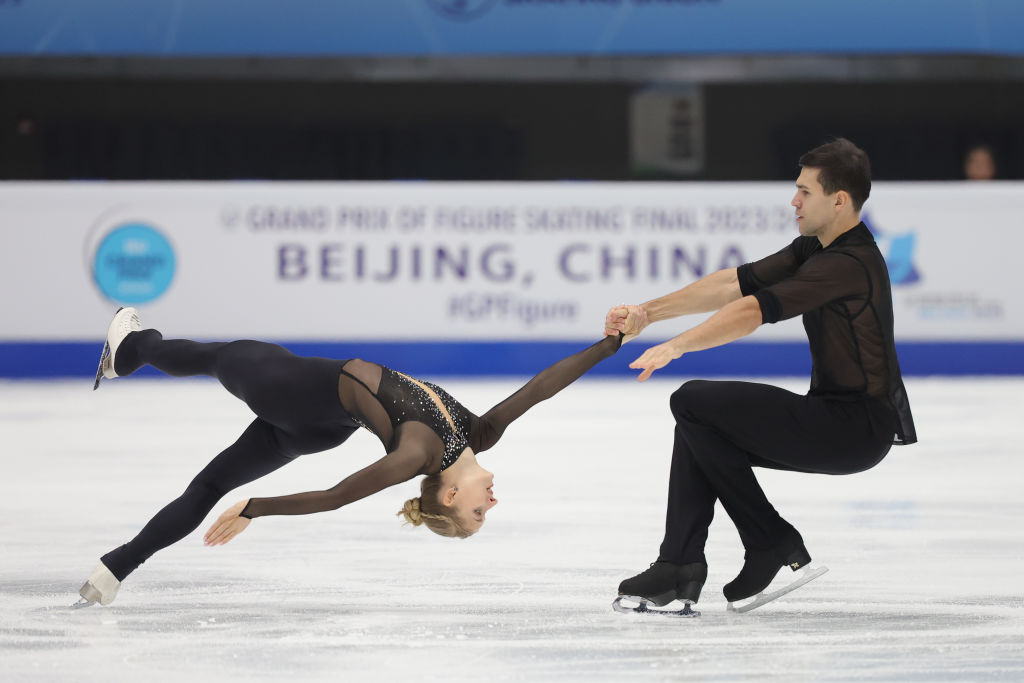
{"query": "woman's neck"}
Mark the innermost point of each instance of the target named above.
(464, 463)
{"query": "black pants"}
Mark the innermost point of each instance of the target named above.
(298, 412)
(724, 429)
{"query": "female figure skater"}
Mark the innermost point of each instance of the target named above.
(307, 405)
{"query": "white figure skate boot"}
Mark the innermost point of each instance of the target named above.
(101, 587)
(125, 321)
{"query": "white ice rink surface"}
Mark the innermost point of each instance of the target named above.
(926, 551)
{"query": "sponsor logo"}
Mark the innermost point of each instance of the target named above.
(899, 254)
(941, 307)
(133, 264)
(461, 10)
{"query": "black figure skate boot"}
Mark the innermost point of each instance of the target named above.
(662, 583)
(760, 568)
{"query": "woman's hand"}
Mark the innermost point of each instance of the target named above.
(656, 358)
(228, 525)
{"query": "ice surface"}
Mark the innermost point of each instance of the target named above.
(926, 551)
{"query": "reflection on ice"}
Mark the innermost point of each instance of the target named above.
(925, 552)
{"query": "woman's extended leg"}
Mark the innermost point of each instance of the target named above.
(297, 407)
(255, 454)
(291, 392)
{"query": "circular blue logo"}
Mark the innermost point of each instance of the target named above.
(134, 264)
(461, 9)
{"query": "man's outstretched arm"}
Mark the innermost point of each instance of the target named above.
(735, 320)
(710, 293)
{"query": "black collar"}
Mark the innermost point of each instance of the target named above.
(858, 234)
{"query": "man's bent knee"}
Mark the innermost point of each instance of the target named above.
(687, 400)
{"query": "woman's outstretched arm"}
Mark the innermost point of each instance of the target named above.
(402, 464)
(488, 428)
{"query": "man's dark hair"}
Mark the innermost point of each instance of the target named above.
(841, 165)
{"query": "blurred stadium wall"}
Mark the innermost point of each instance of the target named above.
(679, 121)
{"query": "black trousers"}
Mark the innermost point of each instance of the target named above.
(724, 429)
(297, 407)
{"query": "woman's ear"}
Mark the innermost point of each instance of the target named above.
(449, 495)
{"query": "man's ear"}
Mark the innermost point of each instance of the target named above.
(842, 200)
(449, 495)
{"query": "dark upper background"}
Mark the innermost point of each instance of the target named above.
(497, 117)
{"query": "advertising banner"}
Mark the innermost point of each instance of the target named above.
(456, 263)
(313, 28)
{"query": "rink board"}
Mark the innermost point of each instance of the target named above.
(495, 359)
(476, 278)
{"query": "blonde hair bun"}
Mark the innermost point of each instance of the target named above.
(411, 511)
(428, 510)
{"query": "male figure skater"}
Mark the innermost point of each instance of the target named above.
(835, 277)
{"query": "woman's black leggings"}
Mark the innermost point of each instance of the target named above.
(297, 407)
(723, 429)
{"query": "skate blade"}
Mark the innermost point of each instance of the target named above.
(82, 602)
(642, 608)
(99, 370)
(807, 574)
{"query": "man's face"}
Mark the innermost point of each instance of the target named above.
(814, 208)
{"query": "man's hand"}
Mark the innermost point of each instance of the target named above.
(656, 358)
(228, 525)
(630, 320)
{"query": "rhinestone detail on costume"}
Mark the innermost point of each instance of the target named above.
(425, 410)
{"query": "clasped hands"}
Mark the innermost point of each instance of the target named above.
(630, 320)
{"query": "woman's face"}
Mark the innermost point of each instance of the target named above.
(474, 496)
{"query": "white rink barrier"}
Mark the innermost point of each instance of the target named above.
(463, 270)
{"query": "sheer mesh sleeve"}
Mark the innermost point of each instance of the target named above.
(487, 429)
(776, 267)
(825, 278)
(402, 464)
